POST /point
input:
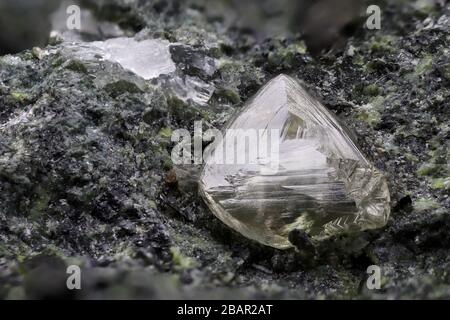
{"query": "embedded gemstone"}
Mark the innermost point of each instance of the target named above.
(285, 163)
(147, 58)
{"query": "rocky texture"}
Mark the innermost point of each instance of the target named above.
(86, 176)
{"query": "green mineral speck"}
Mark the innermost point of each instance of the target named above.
(411, 157)
(77, 66)
(122, 86)
(425, 65)
(181, 261)
(229, 95)
(370, 112)
(287, 56)
(428, 169)
(447, 72)
(371, 90)
(382, 44)
(151, 204)
(20, 97)
(423, 204)
(441, 183)
(358, 60)
(40, 205)
(165, 133)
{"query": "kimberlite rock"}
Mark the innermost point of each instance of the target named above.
(86, 175)
(292, 166)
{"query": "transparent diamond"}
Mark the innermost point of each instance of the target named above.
(322, 184)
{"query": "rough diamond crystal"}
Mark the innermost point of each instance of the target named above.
(322, 184)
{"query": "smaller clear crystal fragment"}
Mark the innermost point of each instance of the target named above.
(151, 60)
(147, 58)
(322, 184)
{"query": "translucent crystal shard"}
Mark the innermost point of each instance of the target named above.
(147, 58)
(320, 182)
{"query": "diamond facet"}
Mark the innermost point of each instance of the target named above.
(322, 184)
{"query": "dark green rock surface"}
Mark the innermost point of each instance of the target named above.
(86, 176)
